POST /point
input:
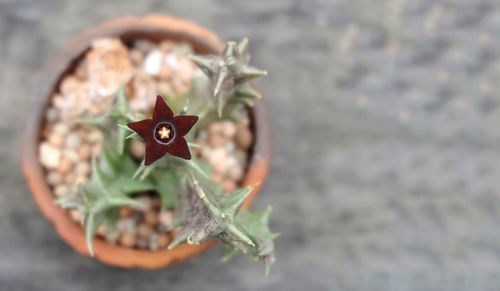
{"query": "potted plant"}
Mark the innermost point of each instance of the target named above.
(148, 141)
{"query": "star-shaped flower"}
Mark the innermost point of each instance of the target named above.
(164, 133)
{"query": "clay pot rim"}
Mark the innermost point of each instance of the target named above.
(155, 27)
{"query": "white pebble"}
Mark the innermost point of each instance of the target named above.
(56, 139)
(54, 178)
(72, 155)
(75, 215)
(127, 225)
(83, 168)
(61, 190)
(73, 140)
(235, 173)
(95, 136)
(172, 61)
(167, 219)
(230, 146)
(228, 129)
(216, 156)
(61, 128)
(152, 63)
(52, 114)
(49, 155)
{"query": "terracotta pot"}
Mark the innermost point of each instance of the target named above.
(153, 27)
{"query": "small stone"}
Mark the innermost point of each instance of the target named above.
(144, 230)
(72, 155)
(85, 152)
(127, 225)
(136, 56)
(215, 128)
(56, 140)
(152, 62)
(166, 219)
(75, 215)
(235, 173)
(231, 161)
(166, 46)
(143, 92)
(112, 236)
(127, 239)
(69, 85)
(61, 128)
(137, 149)
(49, 155)
(144, 46)
(216, 140)
(61, 190)
(215, 156)
(83, 168)
(126, 212)
(143, 243)
(108, 68)
(217, 178)
(102, 230)
(151, 217)
(65, 165)
(219, 168)
(73, 140)
(54, 178)
(228, 129)
(162, 240)
(95, 136)
(153, 242)
(58, 101)
(230, 146)
(70, 178)
(244, 137)
(167, 72)
(183, 48)
(52, 114)
(229, 186)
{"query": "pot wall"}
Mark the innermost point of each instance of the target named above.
(154, 27)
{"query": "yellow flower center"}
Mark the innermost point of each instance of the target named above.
(164, 132)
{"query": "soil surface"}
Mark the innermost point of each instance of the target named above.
(385, 173)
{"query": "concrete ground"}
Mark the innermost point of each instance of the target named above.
(386, 121)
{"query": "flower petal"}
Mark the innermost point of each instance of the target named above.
(154, 151)
(162, 111)
(179, 148)
(184, 123)
(144, 128)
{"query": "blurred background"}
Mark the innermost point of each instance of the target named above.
(386, 121)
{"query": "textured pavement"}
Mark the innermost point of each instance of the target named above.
(386, 166)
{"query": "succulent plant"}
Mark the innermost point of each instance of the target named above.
(230, 74)
(202, 209)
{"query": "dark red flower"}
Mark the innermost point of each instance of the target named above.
(164, 133)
